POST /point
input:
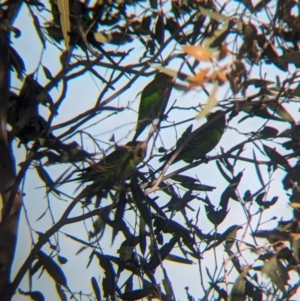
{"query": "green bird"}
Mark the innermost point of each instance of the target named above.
(203, 140)
(154, 99)
(117, 166)
(35, 126)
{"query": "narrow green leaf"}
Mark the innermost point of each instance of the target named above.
(230, 236)
(261, 180)
(53, 268)
(39, 32)
(108, 282)
(99, 227)
(167, 285)
(35, 268)
(216, 217)
(178, 259)
(238, 289)
(96, 288)
(135, 295)
(119, 215)
(129, 284)
(47, 73)
(213, 15)
(159, 34)
(281, 111)
(223, 173)
(142, 235)
(267, 132)
(16, 61)
(158, 256)
(276, 157)
(140, 200)
(259, 199)
(61, 293)
(271, 270)
(34, 295)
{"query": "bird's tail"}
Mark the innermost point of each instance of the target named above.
(165, 157)
(139, 129)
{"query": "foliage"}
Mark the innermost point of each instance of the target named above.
(241, 58)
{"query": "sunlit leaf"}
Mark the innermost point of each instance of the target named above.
(214, 15)
(113, 37)
(281, 111)
(198, 79)
(238, 289)
(273, 235)
(99, 226)
(230, 236)
(211, 103)
(167, 71)
(271, 269)
(64, 10)
(198, 52)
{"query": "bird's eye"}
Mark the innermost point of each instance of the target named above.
(140, 153)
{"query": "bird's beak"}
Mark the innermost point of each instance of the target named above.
(145, 143)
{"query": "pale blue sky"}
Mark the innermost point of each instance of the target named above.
(81, 95)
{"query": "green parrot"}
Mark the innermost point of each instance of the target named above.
(203, 141)
(35, 127)
(117, 166)
(154, 99)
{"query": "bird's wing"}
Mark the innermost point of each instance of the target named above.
(111, 161)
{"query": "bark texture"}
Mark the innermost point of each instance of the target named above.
(10, 197)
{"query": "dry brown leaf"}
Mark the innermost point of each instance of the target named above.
(198, 52)
(219, 76)
(199, 78)
(223, 52)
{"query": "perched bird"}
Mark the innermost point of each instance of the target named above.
(26, 128)
(36, 127)
(203, 141)
(154, 99)
(117, 166)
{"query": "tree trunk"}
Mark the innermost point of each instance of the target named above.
(10, 198)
